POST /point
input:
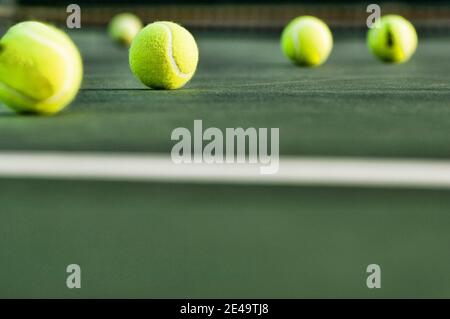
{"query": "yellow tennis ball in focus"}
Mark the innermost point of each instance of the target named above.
(307, 41)
(40, 68)
(163, 55)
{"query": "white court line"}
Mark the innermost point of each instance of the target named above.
(293, 170)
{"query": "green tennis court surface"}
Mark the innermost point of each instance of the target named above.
(190, 240)
(353, 105)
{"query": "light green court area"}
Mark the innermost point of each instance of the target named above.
(206, 241)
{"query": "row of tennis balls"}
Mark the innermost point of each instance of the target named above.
(41, 68)
(307, 40)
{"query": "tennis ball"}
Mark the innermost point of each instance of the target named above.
(124, 27)
(307, 41)
(164, 55)
(40, 68)
(393, 40)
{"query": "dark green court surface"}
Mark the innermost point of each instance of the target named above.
(353, 105)
(189, 240)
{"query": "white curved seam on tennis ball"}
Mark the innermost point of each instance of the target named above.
(70, 69)
(296, 39)
(17, 93)
(172, 61)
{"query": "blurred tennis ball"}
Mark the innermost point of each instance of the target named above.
(307, 41)
(164, 55)
(124, 27)
(40, 68)
(394, 40)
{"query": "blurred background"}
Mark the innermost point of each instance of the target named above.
(255, 15)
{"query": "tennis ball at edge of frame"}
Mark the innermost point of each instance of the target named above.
(394, 40)
(123, 28)
(40, 68)
(307, 41)
(163, 55)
